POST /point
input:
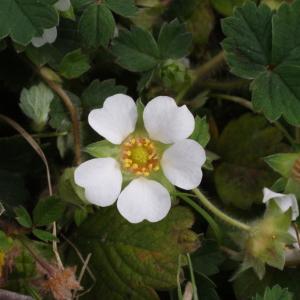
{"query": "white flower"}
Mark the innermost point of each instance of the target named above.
(62, 5)
(49, 35)
(162, 144)
(283, 201)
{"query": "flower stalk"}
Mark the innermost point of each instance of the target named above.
(219, 213)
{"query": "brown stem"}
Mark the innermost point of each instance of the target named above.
(70, 107)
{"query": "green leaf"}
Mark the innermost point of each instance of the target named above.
(257, 48)
(136, 50)
(174, 41)
(201, 131)
(96, 93)
(207, 259)
(103, 149)
(59, 116)
(134, 258)
(43, 235)
(275, 293)
(243, 174)
(124, 8)
(23, 217)
(24, 19)
(5, 241)
(69, 191)
(35, 103)
(248, 285)
(47, 211)
(74, 64)
(96, 25)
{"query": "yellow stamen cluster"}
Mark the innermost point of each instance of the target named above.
(139, 156)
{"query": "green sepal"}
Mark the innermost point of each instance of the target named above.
(282, 163)
(201, 131)
(103, 149)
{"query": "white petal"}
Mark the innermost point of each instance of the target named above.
(182, 162)
(102, 180)
(293, 233)
(38, 41)
(50, 35)
(116, 120)
(144, 199)
(62, 5)
(284, 201)
(166, 122)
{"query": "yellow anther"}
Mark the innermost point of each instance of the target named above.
(132, 141)
(156, 168)
(146, 173)
(150, 166)
(127, 160)
(135, 166)
(139, 173)
(128, 152)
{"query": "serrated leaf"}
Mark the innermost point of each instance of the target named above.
(134, 258)
(35, 103)
(248, 284)
(43, 235)
(23, 217)
(96, 25)
(257, 48)
(24, 19)
(201, 131)
(174, 41)
(47, 211)
(136, 50)
(242, 175)
(74, 64)
(124, 8)
(103, 149)
(95, 94)
(275, 293)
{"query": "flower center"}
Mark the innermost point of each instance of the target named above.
(139, 156)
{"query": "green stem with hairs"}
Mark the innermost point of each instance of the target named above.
(205, 202)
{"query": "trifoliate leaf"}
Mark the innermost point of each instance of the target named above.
(257, 48)
(243, 173)
(35, 103)
(23, 216)
(96, 25)
(47, 211)
(23, 20)
(96, 93)
(124, 8)
(201, 131)
(136, 50)
(43, 235)
(74, 64)
(174, 41)
(275, 293)
(134, 259)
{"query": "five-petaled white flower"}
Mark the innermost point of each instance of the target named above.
(49, 35)
(284, 201)
(162, 144)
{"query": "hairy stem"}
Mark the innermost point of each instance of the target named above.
(201, 72)
(219, 213)
(72, 110)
